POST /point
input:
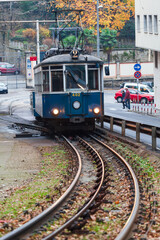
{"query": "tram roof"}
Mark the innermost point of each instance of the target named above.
(66, 58)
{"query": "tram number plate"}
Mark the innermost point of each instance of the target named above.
(76, 94)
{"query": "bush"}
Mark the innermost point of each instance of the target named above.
(29, 33)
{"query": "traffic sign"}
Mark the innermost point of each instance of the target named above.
(137, 74)
(33, 58)
(137, 67)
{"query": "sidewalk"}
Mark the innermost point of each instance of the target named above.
(114, 109)
(143, 118)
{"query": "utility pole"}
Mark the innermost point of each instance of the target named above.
(38, 50)
(97, 28)
(98, 42)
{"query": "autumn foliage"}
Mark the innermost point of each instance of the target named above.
(29, 33)
(114, 13)
(44, 32)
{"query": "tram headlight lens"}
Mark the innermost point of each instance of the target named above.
(76, 105)
(55, 111)
(96, 110)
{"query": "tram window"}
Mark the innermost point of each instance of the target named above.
(57, 81)
(38, 82)
(46, 81)
(75, 77)
(92, 66)
(93, 79)
(45, 68)
(56, 67)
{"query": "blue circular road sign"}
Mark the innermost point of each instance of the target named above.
(137, 67)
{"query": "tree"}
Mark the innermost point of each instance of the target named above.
(89, 36)
(113, 15)
(69, 41)
(128, 30)
(44, 32)
(29, 33)
(108, 40)
(48, 42)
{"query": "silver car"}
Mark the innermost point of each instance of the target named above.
(3, 88)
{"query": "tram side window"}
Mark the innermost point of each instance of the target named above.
(57, 81)
(46, 81)
(38, 82)
(93, 79)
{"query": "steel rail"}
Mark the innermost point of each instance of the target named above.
(33, 127)
(28, 227)
(71, 220)
(129, 224)
(26, 125)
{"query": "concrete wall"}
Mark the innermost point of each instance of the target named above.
(126, 70)
(145, 37)
(149, 38)
(127, 55)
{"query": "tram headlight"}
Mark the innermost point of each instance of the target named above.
(55, 111)
(76, 105)
(96, 110)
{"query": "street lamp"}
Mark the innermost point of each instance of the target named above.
(98, 26)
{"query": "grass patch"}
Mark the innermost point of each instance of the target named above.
(53, 165)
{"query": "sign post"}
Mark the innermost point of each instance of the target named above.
(137, 75)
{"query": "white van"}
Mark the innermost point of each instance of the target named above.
(141, 87)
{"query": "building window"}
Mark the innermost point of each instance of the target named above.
(138, 23)
(156, 59)
(145, 23)
(155, 24)
(150, 24)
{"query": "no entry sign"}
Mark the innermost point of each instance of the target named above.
(137, 74)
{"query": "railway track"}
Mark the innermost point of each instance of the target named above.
(145, 221)
(98, 195)
(22, 125)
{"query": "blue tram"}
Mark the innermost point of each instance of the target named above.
(69, 91)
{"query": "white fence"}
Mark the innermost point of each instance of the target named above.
(126, 70)
(146, 108)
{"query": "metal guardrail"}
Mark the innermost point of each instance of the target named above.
(139, 128)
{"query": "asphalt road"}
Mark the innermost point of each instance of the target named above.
(21, 97)
(112, 108)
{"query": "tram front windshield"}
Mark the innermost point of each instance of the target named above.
(75, 77)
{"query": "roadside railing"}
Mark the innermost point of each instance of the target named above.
(146, 108)
(139, 128)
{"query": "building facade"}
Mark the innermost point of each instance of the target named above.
(147, 20)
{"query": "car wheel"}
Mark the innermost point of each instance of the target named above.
(16, 72)
(144, 100)
(119, 99)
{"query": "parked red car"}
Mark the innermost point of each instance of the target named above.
(8, 68)
(143, 97)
